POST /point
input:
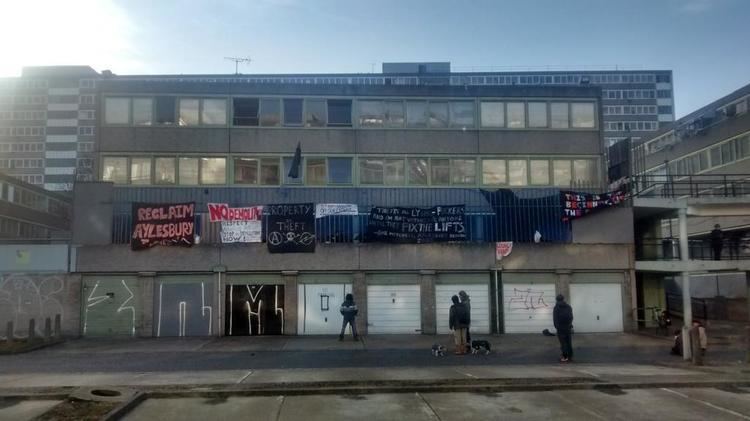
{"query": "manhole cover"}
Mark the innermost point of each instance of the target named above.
(105, 392)
(100, 394)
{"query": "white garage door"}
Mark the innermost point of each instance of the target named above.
(596, 307)
(480, 305)
(393, 309)
(527, 307)
(318, 308)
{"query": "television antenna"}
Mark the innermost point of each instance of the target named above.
(237, 61)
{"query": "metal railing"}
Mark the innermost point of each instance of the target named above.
(699, 306)
(668, 249)
(702, 185)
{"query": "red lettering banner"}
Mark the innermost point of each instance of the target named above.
(163, 224)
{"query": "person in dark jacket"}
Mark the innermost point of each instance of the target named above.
(457, 323)
(349, 310)
(562, 316)
(717, 241)
(466, 301)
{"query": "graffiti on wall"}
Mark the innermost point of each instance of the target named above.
(526, 299)
(254, 310)
(24, 297)
(184, 309)
(110, 308)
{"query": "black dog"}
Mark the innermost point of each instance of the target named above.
(479, 345)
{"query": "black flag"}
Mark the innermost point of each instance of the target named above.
(296, 162)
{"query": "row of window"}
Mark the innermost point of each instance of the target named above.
(630, 94)
(31, 199)
(85, 146)
(23, 99)
(86, 114)
(22, 147)
(11, 228)
(23, 83)
(619, 126)
(23, 115)
(21, 163)
(318, 112)
(724, 153)
(37, 179)
(23, 131)
(629, 109)
(558, 79)
(373, 171)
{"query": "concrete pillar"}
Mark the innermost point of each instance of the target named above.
(47, 329)
(58, 326)
(289, 278)
(747, 328)
(32, 329)
(629, 301)
(144, 322)
(9, 331)
(359, 290)
(427, 298)
(70, 319)
(562, 286)
(220, 280)
(687, 307)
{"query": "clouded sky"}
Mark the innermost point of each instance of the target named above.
(705, 42)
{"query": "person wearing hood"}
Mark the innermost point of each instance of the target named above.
(562, 317)
(466, 301)
(349, 310)
(457, 323)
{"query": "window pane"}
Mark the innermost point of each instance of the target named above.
(441, 172)
(394, 172)
(213, 170)
(438, 114)
(117, 110)
(315, 171)
(493, 172)
(559, 114)
(287, 166)
(292, 111)
(539, 172)
(416, 114)
(246, 111)
(371, 114)
(517, 172)
(189, 112)
(140, 170)
(165, 171)
(270, 112)
(493, 114)
(583, 114)
(115, 170)
(715, 156)
(340, 170)
(394, 113)
(537, 114)
(516, 115)
(188, 171)
(464, 171)
(418, 171)
(315, 112)
(269, 171)
(584, 170)
(561, 169)
(340, 112)
(462, 114)
(214, 111)
(727, 153)
(142, 111)
(245, 171)
(371, 171)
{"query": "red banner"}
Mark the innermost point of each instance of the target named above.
(219, 212)
(160, 224)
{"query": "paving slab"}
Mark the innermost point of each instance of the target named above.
(201, 409)
(22, 410)
(350, 374)
(207, 377)
(738, 399)
(404, 406)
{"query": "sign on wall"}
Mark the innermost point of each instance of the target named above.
(576, 205)
(160, 224)
(503, 249)
(332, 209)
(417, 225)
(290, 228)
(238, 225)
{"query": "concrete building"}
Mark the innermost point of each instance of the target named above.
(364, 148)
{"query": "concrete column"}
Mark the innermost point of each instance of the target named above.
(687, 307)
(427, 298)
(359, 290)
(747, 328)
(562, 285)
(220, 280)
(290, 301)
(145, 319)
(70, 320)
(629, 300)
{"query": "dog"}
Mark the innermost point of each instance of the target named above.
(438, 350)
(479, 345)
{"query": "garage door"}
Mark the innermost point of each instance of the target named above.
(318, 308)
(480, 305)
(596, 307)
(527, 306)
(393, 309)
(111, 305)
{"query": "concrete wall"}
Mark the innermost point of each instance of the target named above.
(92, 213)
(610, 226)
(34, 258)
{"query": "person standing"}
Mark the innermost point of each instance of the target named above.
(457, 323)
(349, 310)
(466, 301)
(562, 317)
(717, 241)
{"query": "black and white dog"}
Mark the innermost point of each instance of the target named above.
(479, 345)
(438, 350)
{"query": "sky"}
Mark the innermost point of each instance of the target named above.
(705, 42)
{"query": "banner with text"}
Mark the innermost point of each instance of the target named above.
(238, 225)
(576, 205)
(417, 225)
(163, 224)
(332, 209)
(290, 228)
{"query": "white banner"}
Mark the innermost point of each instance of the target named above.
(328, 209)
(241, 231)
